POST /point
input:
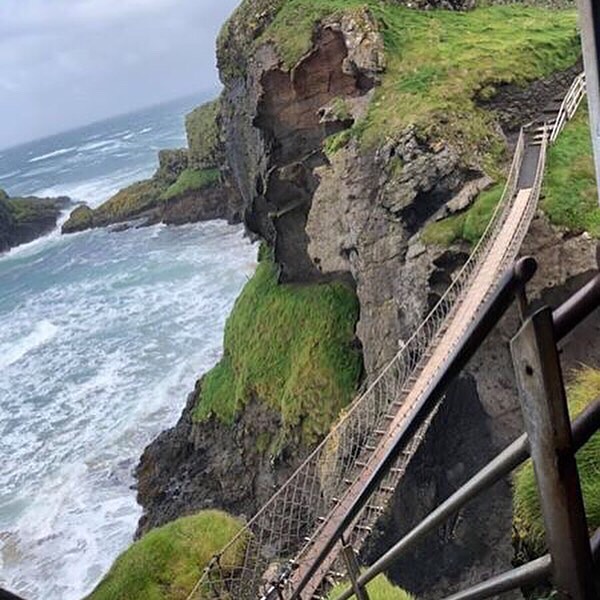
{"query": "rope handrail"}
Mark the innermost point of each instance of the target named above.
(282, 532)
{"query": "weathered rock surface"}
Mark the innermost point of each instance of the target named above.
(275, 123)
(22, 220)
(194, 466)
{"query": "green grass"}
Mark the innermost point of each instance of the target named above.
(438, 61)
(203, 136)
(291, 346)
(191, 180)
(167, 562)
(570, 195)
(528, 521)
(379, 589)
(467, 226)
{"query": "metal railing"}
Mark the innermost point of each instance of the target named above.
(564, 320)
(282, 534)
(569, 105)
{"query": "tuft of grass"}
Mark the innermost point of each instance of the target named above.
(337, 141)
(168, 561)
(438, 61)
(379, 589)
(570, 195)
(467, 226)
(291, 346)
(527, 516)
(191, 180)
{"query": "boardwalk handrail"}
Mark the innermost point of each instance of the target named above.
(584, 426)
(280, 535)
(569, 105)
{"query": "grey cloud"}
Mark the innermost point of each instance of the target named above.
(64, 63)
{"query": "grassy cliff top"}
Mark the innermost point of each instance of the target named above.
(167, 562)
(439, 62)
(292, 347)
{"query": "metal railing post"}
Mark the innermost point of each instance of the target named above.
(353, 571)
(546, 418)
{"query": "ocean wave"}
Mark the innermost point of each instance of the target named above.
(96, 145)
(43, 332)
(52, 154)
(11, 174)
(146, 130)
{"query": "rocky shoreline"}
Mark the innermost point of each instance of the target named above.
(22, 220)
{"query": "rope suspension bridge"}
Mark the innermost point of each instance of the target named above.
(296, 545)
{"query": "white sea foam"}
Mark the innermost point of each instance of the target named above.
(136, 316)
(52, 154)
(11, 353)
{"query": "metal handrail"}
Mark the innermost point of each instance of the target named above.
(569, 105)
(584, 427)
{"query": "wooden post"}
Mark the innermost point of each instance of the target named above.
(589, 22)
(545, 413)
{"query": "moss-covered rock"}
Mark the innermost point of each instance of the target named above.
(191, 180)
(203, 134)
(167, 562)
(293, 348)
(80, 219)
(379, 589)
(171, 163)
(23, 220)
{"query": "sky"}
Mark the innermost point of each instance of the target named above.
(66, 63)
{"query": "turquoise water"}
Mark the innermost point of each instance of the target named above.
(102, 335)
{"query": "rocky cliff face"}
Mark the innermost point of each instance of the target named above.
(23, 220)
(331, 207)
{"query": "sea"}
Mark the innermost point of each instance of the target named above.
(102, 336)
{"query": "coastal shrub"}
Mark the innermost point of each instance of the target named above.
(191, 180)
(379, 589)
(168, 561)
(291, 346)
(438, 62)
(569, 194)
(528, 521)
(468, 225)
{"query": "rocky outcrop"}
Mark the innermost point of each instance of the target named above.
(190, 185)
(22, 220)
(276, 121)
(195, 466)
